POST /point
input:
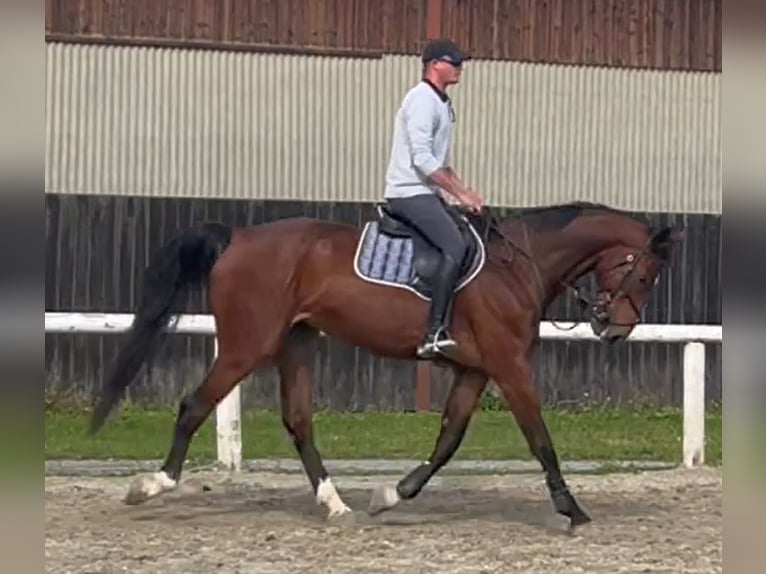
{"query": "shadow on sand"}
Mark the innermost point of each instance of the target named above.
(295, 507)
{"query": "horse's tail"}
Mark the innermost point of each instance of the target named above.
(187, 258)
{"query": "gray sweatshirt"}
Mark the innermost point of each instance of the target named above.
(421, 142)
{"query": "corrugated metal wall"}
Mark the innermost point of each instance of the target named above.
(142, 121)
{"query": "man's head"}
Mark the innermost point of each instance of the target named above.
(443, 60)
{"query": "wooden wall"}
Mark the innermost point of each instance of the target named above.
(661, 34)
(84, 232)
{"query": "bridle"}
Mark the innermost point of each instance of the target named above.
(600, 308)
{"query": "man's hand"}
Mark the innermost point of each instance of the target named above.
(471, 199)
(449, 181)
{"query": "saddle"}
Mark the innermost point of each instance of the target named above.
(391, 252)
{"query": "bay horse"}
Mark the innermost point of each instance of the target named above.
(274, 287)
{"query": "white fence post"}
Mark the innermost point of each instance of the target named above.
(229, 427)
(694, 404)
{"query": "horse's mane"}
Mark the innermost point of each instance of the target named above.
(556, 217)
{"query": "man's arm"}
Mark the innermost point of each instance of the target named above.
(448, 180)
(464, 195)
(419, 121)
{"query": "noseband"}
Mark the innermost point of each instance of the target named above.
(600, 308)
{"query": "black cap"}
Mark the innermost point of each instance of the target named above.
(444, 50)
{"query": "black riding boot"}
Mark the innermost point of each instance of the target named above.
(438, 340)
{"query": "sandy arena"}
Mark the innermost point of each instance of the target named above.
(661, 521)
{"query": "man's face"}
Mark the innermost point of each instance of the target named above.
(448, 73)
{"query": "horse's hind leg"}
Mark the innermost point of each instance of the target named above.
(295, 362)
(463, 397)
(235, 360)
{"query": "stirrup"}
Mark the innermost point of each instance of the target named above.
(439, 343)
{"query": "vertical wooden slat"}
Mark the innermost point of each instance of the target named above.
(330, 31)
(696, 55)
(434, 18)
(677, 29)
(50, 16)
(717, 24)
(574, 18)
(640, 11)
(588, 36)
(600, 27)
(417, 20)
(660, 34)
(614, 35)
(558, 36)
(270, 33)
(503, 30)
(84, 17)
(665, 48)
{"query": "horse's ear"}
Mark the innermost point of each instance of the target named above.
(665, 239)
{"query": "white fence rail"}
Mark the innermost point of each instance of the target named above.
(229, 438)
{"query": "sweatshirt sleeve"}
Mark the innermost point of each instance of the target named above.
(419, 122)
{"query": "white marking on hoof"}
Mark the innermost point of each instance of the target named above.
(329, 497)
(383, 498)
(148, 486)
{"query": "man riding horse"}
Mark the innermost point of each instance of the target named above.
(419, 170)
(311, 285)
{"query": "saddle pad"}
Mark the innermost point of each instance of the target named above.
(384, 259)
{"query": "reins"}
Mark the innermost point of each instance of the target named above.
(583, 301)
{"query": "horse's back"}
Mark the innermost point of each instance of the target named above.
(289, 241)
(299, 225)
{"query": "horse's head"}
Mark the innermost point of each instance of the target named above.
(625, 277)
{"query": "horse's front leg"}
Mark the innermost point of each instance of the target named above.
(514, 380)
(462, 401)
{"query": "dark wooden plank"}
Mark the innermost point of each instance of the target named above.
(558, 36)
(616, 36)
(284, 19)
(391, 23)
(503, 29)
(51, 15)
(640, 12)
(132, 228)
(53, 243)
(415, 14)
(716, 24)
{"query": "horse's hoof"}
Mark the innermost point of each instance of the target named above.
(344, 519)
(579, 519)
(383, 498)
(566, 505)
(148, 486)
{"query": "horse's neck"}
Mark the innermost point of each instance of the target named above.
(563, 256)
